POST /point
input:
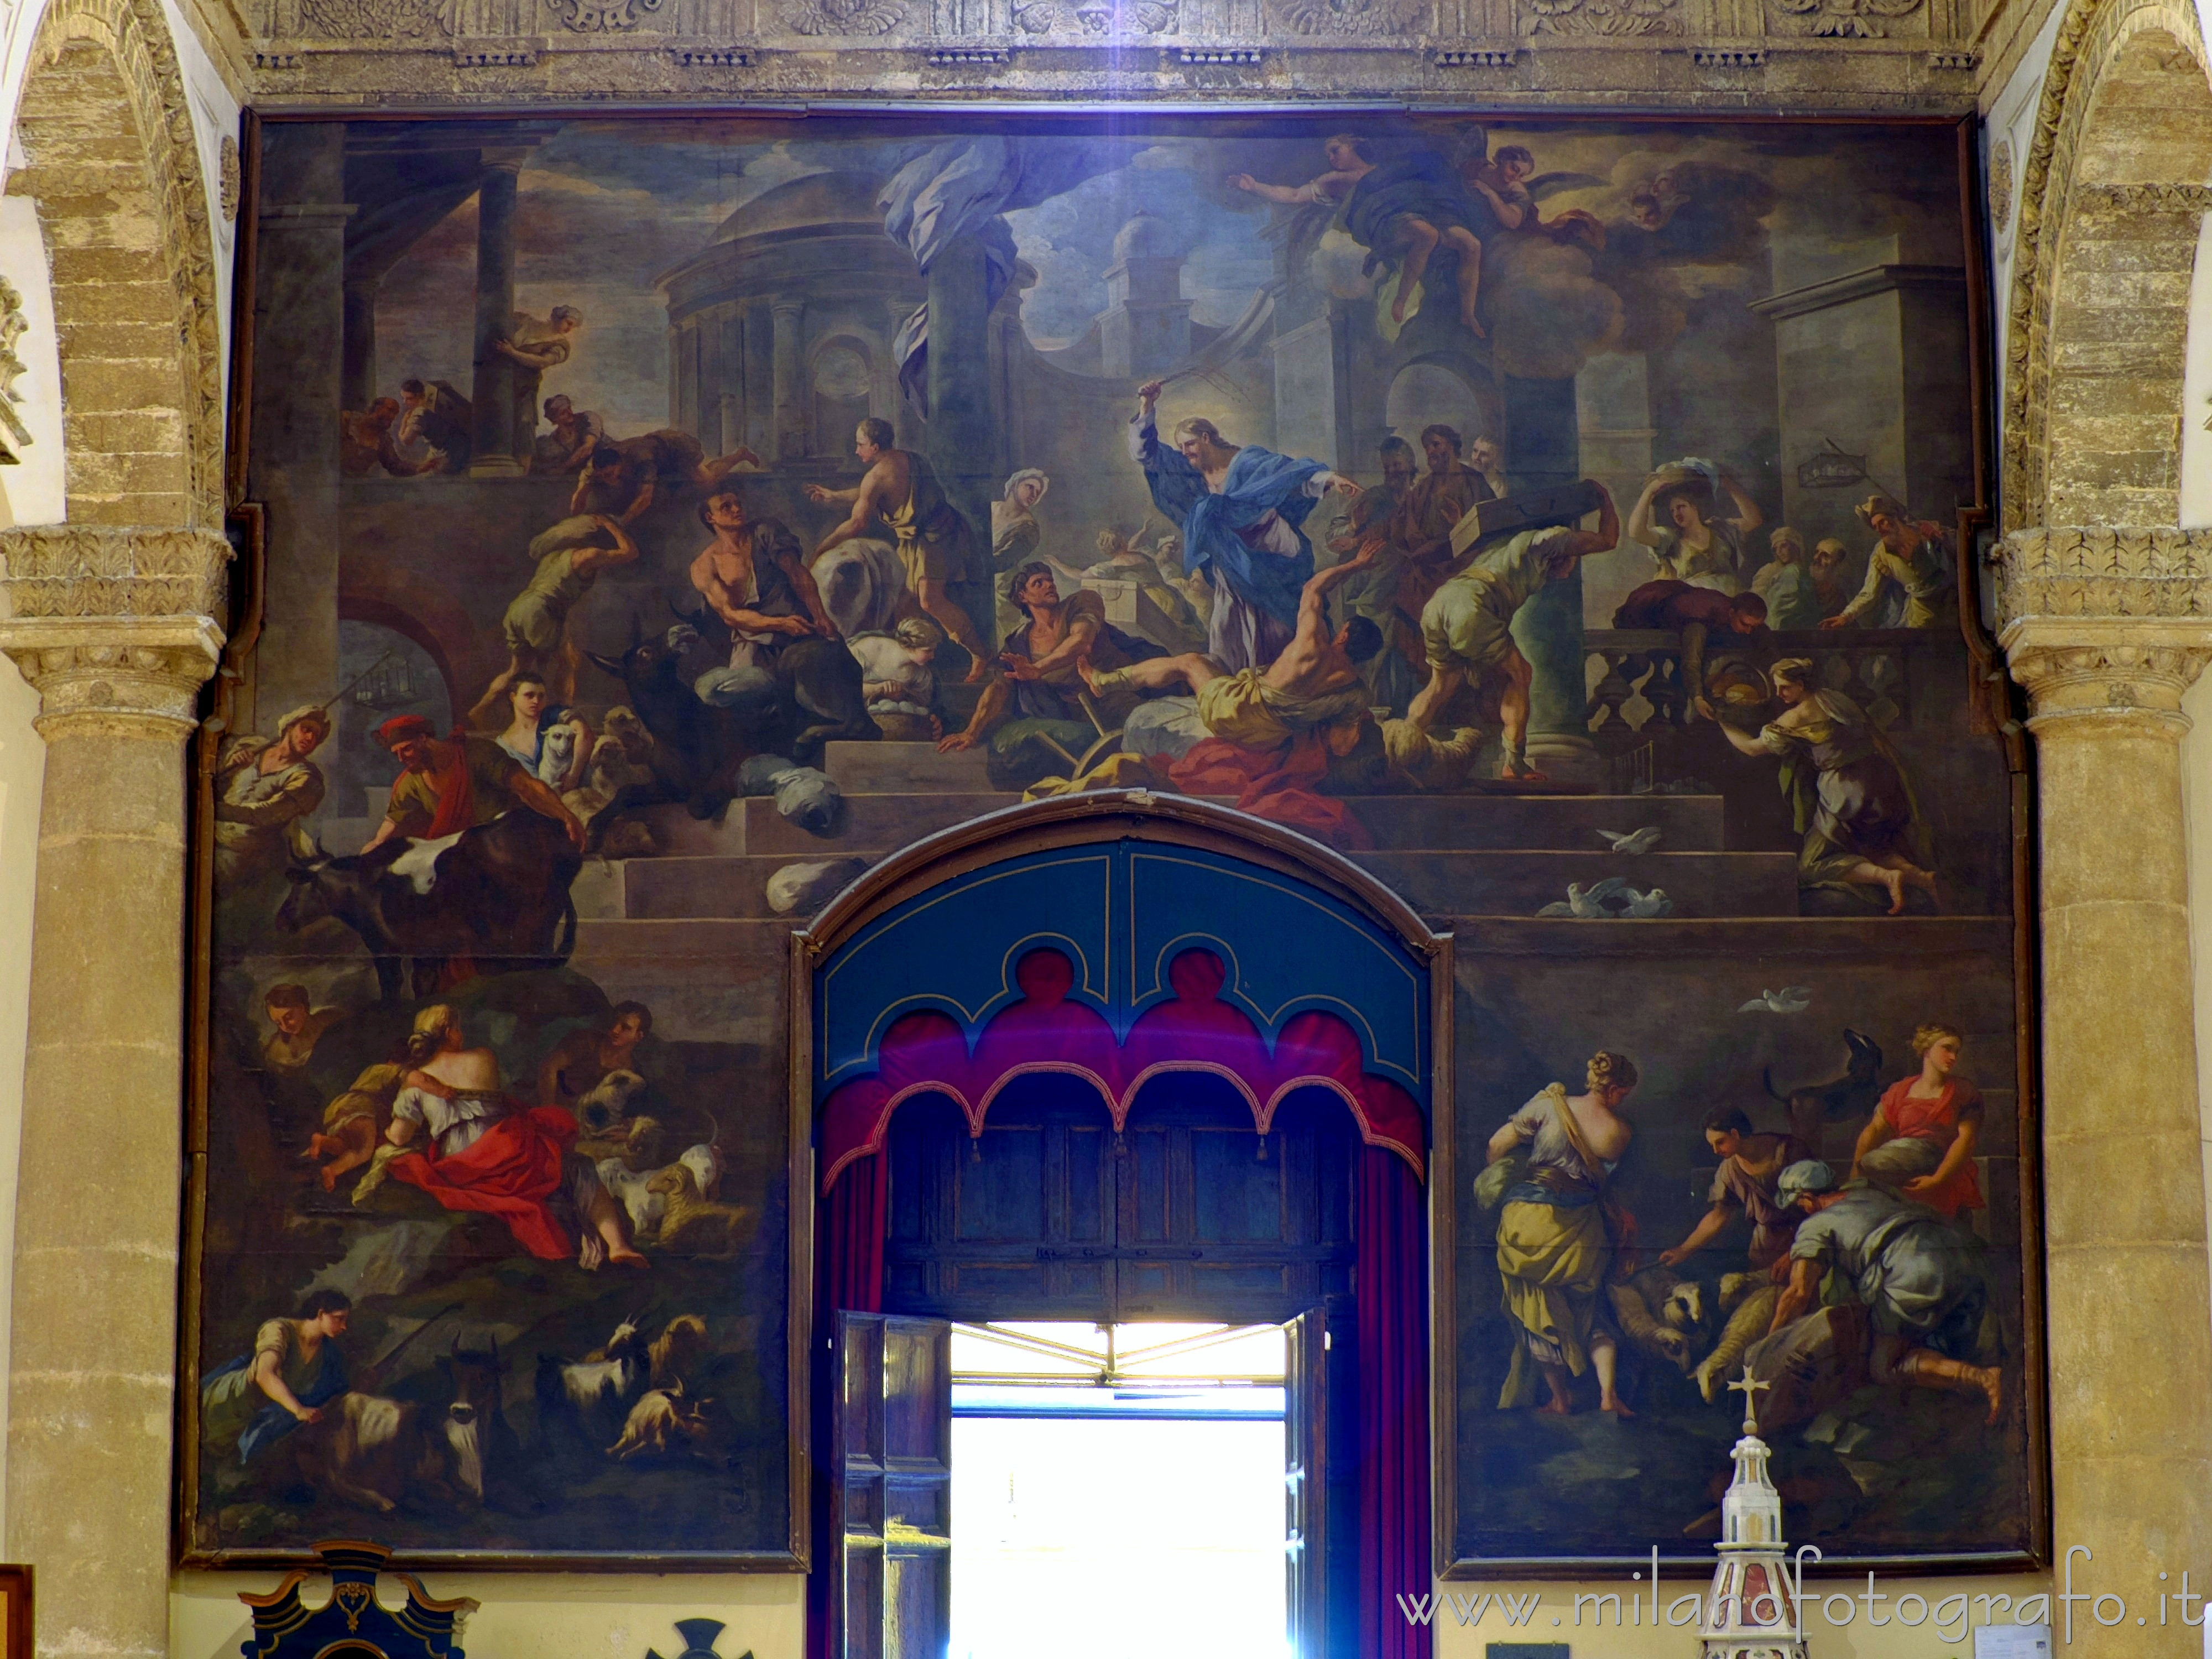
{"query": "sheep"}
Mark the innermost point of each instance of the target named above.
(629, 1188)
(1663, 1314)
(605, 1105)
(706, 1166)
(556, 755)
(660, 1421)
(696, 1226)
(1749, 1301)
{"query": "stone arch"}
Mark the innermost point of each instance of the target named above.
(2115, 179)
(112, 163)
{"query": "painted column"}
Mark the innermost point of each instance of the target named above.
(962, 436)
(2130, 1339)
(1543, 449)
(493, 391)
(92, 1363)
(358, 383)
(791, 399)
(300, 310)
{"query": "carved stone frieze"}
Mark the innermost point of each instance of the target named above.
(1345, 17)
(834, 17)
(1604, 17)
(229, 178)
(2104, 572)
(81, 570)
(2193, 199)
(373, 20)
(113, 625)
(602, 16)
(2105, 622)
(1843, 19)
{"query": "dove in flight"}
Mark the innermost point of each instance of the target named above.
(1587, 904)
(1633, 841)
(1643, 905)
(1790, 999)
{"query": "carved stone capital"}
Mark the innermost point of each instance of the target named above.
(2107, 670)
(113, 627)
(134, 677)
(98, 570)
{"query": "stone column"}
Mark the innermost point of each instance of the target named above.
(962, 434)
(791, 391)
(92, 1361)
(1543, 450)
(492, 392)
(2128, 1333)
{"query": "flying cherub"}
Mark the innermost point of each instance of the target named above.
(1509, 186)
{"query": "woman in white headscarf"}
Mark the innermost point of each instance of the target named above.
(1016, 537)
(1847, 790)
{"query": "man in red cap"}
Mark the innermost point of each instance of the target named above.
(449, 784)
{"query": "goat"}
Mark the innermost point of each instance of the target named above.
(682, 1345)
(660, 1422)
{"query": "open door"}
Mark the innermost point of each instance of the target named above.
(1305, 1486)
(890, 1515)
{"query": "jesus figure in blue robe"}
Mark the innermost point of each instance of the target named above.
(1242, 510)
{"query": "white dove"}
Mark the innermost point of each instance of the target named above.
(1653, 903)
(1790, 999)
(1633, 841)
(1587, 904)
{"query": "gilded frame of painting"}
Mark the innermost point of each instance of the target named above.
(248, 534)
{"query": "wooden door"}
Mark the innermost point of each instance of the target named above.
(890, 1514)
(1188, 1215)
(1305, 1482)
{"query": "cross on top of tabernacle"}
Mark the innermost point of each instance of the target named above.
(1750, 1390)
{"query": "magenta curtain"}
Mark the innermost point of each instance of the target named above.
(849, 1263)
(1391, 1290)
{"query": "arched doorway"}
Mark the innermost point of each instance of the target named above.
(142, 421)
(2093, 395)
(1046, 971)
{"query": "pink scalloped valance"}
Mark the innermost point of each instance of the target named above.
(930, 1053)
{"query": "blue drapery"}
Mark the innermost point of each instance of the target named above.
(1259, 482)
(961, 188)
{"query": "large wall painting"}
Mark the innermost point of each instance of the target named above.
(666, 519)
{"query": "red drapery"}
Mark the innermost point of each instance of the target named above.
(1391, 1292)
(1390, 1276)
(848, 1275)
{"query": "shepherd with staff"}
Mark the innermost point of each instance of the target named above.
(264, 787)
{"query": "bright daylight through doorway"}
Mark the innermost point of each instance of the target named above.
(1117, 1490)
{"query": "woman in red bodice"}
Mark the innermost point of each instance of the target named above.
(1921, 1139)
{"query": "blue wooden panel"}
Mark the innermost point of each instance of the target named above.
(1288, 947)
(954, 949)
(1121, 912)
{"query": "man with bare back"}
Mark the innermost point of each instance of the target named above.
(753, 577)
(899, 492)
(1467, 624)
(1315, 682)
